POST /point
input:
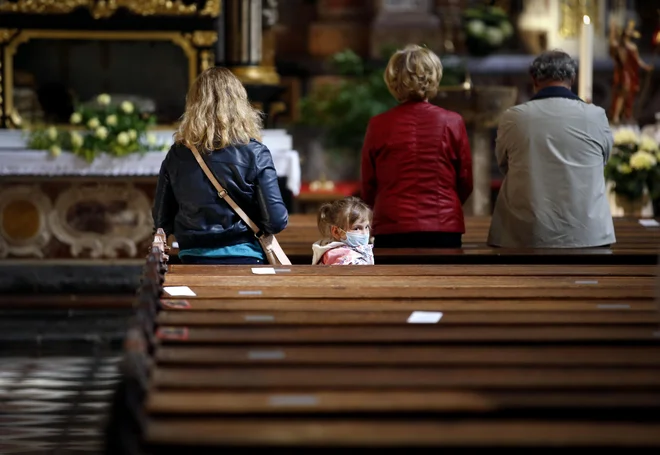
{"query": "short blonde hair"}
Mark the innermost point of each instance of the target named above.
(218, 113)
(413, 74)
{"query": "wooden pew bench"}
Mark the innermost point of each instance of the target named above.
(412, 287)
(320, 359)
(177, 270)
(636, 244)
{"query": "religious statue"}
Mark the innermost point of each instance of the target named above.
(627, 63)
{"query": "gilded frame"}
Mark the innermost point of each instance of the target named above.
(105, 9)
(193, 45)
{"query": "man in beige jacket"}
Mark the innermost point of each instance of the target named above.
(552, 151)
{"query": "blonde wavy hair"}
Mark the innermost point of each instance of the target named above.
(413, 74)
(218, 113)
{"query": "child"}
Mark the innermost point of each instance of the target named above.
(345, 227)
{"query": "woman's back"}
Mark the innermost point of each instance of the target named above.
(421, 160)
(221, 125)
(202, 220)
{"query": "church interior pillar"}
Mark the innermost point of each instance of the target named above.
(243, 51)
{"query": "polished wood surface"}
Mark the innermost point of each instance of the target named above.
(633, 240)
(177, 270)
(324, 432)
(274, 286)
(495, 303)
(331, 357)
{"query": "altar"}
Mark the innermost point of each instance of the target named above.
(63, 207)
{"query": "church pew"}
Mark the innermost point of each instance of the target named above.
(382, 355)
(474, 226)
(402, 434)
(449, 318)
(176, 270)
(635, 244)
(631, 247)
(491, 303)
(293, 367)
(389, 401)
(261, 286)
(428, 290)
(406, 334)
(312, 312)
(380, 280)
(475, 222)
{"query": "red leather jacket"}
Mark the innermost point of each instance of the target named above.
(416, 169)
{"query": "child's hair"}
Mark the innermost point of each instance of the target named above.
(342, 213)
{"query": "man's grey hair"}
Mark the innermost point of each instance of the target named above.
(553, 66)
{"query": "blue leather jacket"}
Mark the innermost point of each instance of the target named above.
(187, 205)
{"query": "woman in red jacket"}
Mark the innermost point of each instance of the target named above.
(416, 163)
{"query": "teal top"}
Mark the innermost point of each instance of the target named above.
(244, 250)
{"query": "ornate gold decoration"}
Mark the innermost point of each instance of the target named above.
(23, 221)
(203, 38)
(103, 219)
(571, 14)
(15, 117)
(106, 8)
(6, 34)
(207, 60)
(212, 8)
(23, 36)
(43, 6)
(256, 74)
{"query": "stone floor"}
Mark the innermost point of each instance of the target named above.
(58, 371)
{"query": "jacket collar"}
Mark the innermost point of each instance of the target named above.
(555, 92)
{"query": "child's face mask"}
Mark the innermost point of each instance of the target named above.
(357, 236)
(355, 239)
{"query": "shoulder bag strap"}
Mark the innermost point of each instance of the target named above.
(222, 193)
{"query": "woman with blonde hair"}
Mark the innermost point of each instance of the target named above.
(221, 124)
(416, 163)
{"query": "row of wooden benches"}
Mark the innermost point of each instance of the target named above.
(392, 358)
(633, 239)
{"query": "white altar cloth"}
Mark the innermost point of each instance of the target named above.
(17, 160)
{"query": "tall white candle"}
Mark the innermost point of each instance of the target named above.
(586, 73)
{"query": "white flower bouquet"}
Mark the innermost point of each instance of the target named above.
(633, 166)
(487, 29)
(116, 130)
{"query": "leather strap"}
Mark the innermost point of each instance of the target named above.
(279, 253)
(222, 193)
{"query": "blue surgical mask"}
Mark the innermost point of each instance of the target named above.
(355, 239)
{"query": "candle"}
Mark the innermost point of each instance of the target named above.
(585, 84)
